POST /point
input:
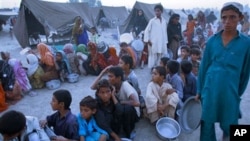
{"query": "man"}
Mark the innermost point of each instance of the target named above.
(155, 35)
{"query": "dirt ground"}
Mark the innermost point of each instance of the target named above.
(39, 105)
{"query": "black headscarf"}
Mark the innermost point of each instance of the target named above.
(7, 76)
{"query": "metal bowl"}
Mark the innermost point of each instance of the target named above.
(53, 84)
(72, 78)
(167, 128)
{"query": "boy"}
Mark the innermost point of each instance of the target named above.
(88, 129)
(190, 80)
(63, 121)
(184, 54)
(194, 58)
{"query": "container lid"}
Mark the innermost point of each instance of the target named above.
(126, 37)
(190, 115)
(138, 45)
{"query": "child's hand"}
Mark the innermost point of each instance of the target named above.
(170, 91)
(43, 123)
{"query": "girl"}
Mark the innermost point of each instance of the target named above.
(62, 65)
(71, 57)
(79, 33)
(161, 100)
(47, 63)
(190, 29)
(35, 72)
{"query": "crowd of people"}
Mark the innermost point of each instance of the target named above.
(119, 103)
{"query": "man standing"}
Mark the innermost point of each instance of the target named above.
(156, 37)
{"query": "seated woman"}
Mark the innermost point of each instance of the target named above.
(109, 109)
(96, 62)
(72, 57)
(20, 75)
(113, 59)
(47, 63)
(161, 100)
(82, 55)
(10, 85)
(62, 65)
(35, 72)
(3, 104)
(127, 50)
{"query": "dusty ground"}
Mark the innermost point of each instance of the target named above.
(39, 105)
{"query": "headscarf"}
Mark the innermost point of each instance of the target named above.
(6, 55)
(33, 64)
(68, 48)
(20, 74)
(46, 54)
(7, 76)
(65, 59)
(76, 27)
(82, 48)
(113, 59)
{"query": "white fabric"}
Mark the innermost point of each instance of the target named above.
(156, 32)
(33, 64)
(235, 4)
(125, 92)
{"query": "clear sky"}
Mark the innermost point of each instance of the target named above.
(178, 4)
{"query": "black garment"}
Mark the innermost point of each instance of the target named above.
(108, 117)
(172, 31)
(89, 69)
(7, 76)
(140, 24)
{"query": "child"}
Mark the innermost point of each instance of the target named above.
(126, 63)
(163, 62)
(190, 80)
(161, 100)
(94, 36)
(127, 50)
(63, 121)
(190, 29)
(195, 55)
(174, 78)
(184, 53)
(62, 65)
(88, 129)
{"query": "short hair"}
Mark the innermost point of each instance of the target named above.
(12, 122)
(159, 6)
(185, 48)
(63, 96)
(123, 44)
(173, 66)
(161, 70)
(231, 7)
(186, 66)
(195, 51)
(117, 71)
(89, 102)
(165, 60)
(128, 60)
(103, 83)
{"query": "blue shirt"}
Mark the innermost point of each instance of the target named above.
(86, 128)
(64, 126)
(177, 84)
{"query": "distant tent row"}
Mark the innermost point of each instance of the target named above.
(47, 18)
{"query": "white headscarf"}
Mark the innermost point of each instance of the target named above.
(33, 64)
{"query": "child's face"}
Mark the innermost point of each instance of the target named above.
(58, 56)
(86, 112)
(156, 76)
(158, 12)
(122, 64)
(184, 53)
(55, 105)
(195, 57)
(104, 94)
(113, 80)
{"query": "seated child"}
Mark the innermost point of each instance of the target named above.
(184, 54)
(163, 62)
(88, 129)
(161, 100)
(195, 56)
(62, 65)
(127, 50)
(71, 57)
(94, 35)
(190, 80)
(64, 123)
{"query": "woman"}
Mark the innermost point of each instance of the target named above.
(10, 85)
(3, 104)
(62, 65)
(140, 22)
(35, 72)
(113, 58)
(72, 58)
(223, 74)
(79, 32)
(174, 34)
(5, 56)
(82, 55)
(96, 61)
(47, 63)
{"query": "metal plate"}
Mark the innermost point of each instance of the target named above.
(190, 115)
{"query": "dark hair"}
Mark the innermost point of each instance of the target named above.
(12, 122)
(159, 6)
(195, 46)
(191, 16)
(128, 60)
(186, 66)
(173, 16)
(173, 66)
(195, 51)
(103, 83)
(161, 70)
(123, 44)
(231, 7)
(185, 48)
(117, 71)
(63, 96)
(89, 102)
(165, 60)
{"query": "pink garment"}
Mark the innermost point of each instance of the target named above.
(20, 74)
